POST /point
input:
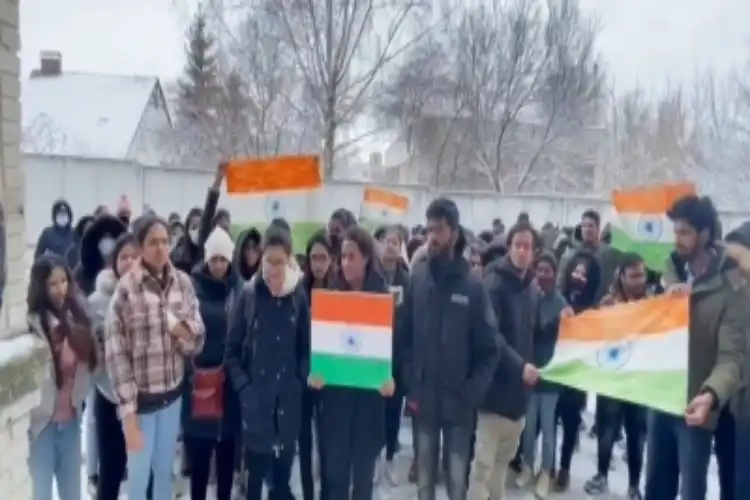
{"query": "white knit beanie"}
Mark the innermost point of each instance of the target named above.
(219, 244)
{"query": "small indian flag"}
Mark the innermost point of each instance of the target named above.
(640, 223)
(634, 351)
(352, 338)
(383, 205)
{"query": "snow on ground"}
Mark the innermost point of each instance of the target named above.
(584, 467)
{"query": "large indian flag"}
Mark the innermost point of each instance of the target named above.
(352, 338)
(640, 223)
(383, 205)
(635, 351)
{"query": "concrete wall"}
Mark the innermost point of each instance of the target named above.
(19, 367)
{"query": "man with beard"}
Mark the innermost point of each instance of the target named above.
(580, 287)
(612, 414)
(679, 447)
(447, 349)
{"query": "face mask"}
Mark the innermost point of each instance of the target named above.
(193, 234)
(62, 220)
(335, 241)
(106, 245)
(577, 283)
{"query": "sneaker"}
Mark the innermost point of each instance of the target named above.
(389, 473)
(93, 486)
(597, 485)
(634, 494)
(543, 484)
(413, 473)
(562, 481)
(524, 477)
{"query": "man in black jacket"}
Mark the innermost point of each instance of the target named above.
(448, 349)
(515, 297)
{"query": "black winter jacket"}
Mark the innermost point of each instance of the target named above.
(448, 342)
(268, 361)
(214, 300)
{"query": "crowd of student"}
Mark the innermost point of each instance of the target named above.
(169, 330)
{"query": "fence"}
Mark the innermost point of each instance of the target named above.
(87, 183)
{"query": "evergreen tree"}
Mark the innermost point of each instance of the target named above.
(198, 89)
(234, 105)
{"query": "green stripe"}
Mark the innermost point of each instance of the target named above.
(666, 391)
(349, 371)
(654, 253)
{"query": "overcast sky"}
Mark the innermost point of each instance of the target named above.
(645, 42)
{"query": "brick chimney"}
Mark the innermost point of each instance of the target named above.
(50, 64)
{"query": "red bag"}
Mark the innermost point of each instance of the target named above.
(207, 397)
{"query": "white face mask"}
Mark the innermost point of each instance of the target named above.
(193, 234)
(106, 245)
(62, 220)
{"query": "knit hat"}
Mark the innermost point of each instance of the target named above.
(219, 244)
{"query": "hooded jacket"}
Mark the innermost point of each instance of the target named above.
(186, 254)
(238, 262)
(719, 324)
(607, 259)
(268, 360)
(214, 299)
(91, 259)
(55, 239)
(515, 301)
(448, 342)
(98, 308)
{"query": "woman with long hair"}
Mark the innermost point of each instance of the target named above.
(110, 439)
(58, 321)
(353, 420)
(153, 326)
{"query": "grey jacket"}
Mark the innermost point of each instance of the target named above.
(98, 308)
(44, 408)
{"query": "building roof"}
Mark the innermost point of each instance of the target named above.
(83, 114)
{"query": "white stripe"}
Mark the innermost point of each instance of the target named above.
(352, 340)
(650, 353)
(649, 228)
(372, 211)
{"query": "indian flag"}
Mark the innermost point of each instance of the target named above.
(383, 205)
(634, 351)
(640, 223)
(352, 338)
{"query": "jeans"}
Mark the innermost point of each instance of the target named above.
(160, 430)
(456, 452)
(611, 416)
(570, 405)
(742, 460)
(92, 448)
(55, 456)
(200, 451)
(724, 446)
(676, 451)
(541, 415)
(112, 452)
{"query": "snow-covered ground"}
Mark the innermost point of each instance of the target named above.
(584, 467)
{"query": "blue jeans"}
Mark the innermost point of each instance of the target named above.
(92, 448)
(55, 456)
(160, 430)
(742, 460)
(456, 451)
(676, 451)
(541, 415)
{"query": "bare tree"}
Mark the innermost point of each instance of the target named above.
(651, 140)
(520, 75)
(341, 48)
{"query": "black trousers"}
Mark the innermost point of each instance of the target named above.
(570, 405)
(199, 452)
(310, 421)
(393, 412)
(260, 465)
(611, 416)
(113, 456)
